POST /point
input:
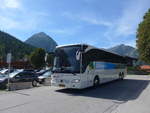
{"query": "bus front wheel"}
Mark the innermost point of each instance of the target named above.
(96, 81)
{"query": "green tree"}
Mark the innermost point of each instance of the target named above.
(143, 38)
(1, 51)
(37, 58)
(50, 59)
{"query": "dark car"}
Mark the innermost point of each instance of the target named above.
(3, 71)
(3, 81)
(41, 72)
(29, 70)
(44, 76)
(9, 71)
(20, 76)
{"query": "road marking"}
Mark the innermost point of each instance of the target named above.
(11, 107)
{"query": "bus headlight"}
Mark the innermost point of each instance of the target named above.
(76, 81)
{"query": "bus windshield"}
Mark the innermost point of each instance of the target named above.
(66, 60)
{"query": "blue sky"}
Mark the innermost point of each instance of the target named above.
(102, 23)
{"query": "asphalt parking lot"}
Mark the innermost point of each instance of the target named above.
(129, 96)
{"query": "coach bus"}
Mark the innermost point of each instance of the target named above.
(80, 66)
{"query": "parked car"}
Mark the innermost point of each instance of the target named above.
(29, 70)
(44, 76)
(19, 76)
(3, 71)
(3, 81)
(40, 72)
(6, 71)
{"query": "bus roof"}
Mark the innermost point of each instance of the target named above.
(79, 44)
(89, 47)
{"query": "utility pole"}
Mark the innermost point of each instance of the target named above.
(46, 55)
(9, 62)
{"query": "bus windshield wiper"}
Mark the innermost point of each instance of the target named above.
(67, 69)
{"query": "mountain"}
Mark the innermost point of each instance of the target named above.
(124, 50)
(9, 43)
(42, 40)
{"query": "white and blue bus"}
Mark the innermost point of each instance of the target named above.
(80, 66)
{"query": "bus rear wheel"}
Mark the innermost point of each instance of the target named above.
(121, 76)
(96, 81)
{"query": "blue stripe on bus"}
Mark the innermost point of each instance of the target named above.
(109, 66)
(105, 65)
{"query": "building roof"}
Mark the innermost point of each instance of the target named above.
(145, 67)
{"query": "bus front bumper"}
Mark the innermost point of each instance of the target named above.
(66, 85)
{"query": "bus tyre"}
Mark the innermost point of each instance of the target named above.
(96, 81)
(122, 76)
(34, 83)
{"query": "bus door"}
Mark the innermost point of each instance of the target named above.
(90, 74)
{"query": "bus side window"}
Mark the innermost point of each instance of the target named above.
(99, 65)
(91, 65)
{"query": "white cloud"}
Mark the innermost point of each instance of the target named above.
(59, 31)
(131, 17)
(123, 26)
(7, 15)
(10, 4)
(7, 23)
(128, 22)
(65, 31)
(95, 21)
(19, 23)
(14, 16)
(89, 18)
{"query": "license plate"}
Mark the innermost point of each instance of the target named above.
(61, 85)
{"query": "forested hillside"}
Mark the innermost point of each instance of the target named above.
(9, 43)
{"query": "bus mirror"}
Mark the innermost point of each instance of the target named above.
(78, 55)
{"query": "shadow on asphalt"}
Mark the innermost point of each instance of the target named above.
(125, 90)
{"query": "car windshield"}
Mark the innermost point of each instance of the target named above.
(11, 75)
(66, 60)
(3, 71)
(46, 74)
(41, 72)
